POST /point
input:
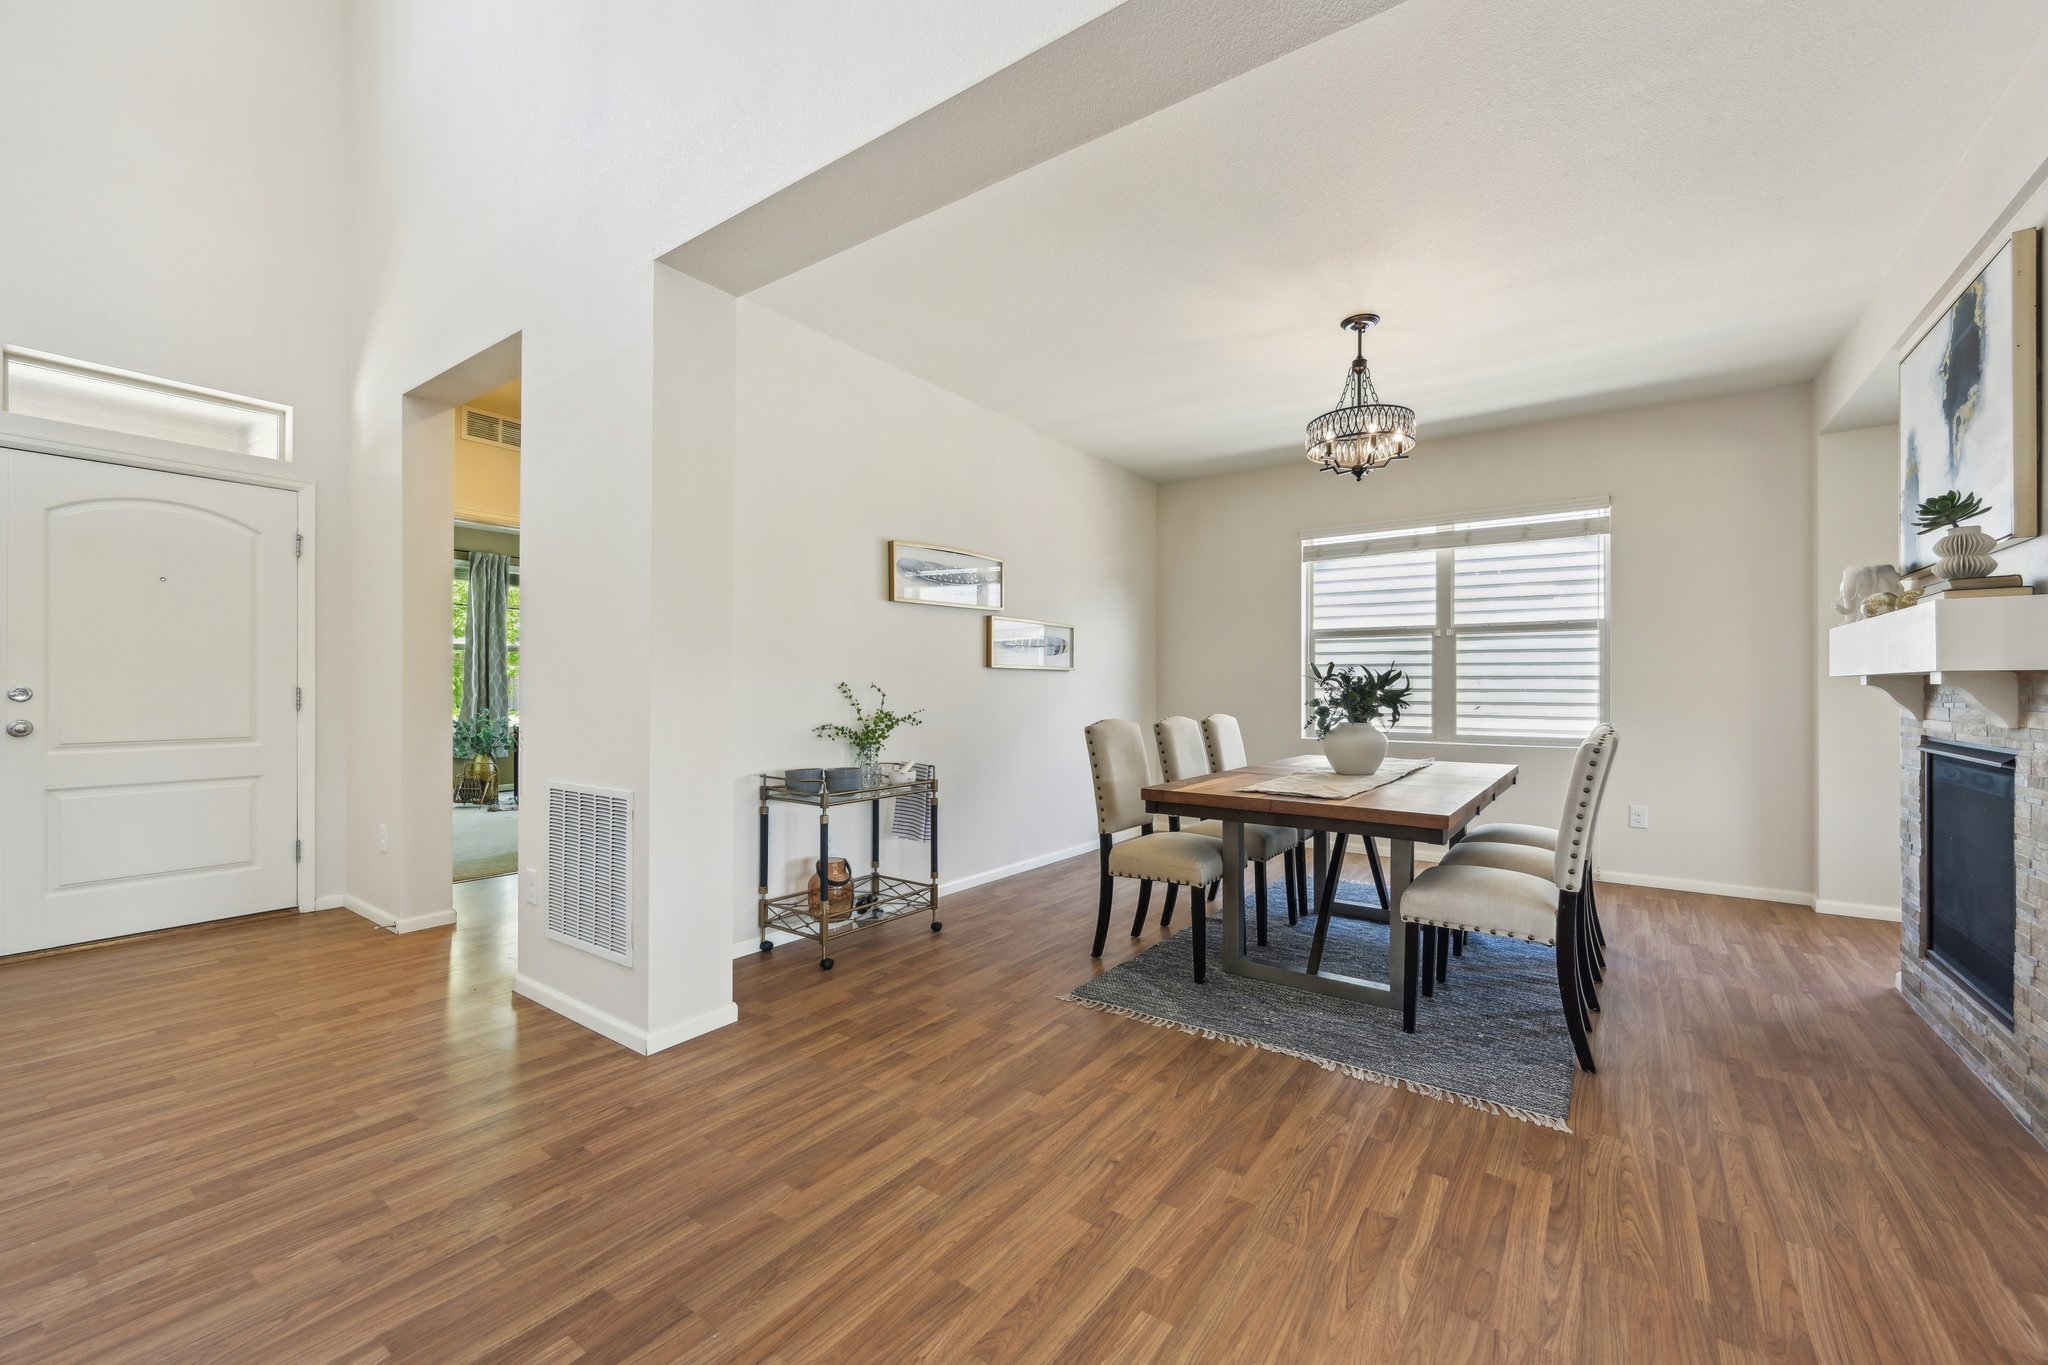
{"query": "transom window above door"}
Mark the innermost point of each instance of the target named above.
(1499, 621)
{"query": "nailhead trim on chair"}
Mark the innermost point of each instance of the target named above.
(1550, 942)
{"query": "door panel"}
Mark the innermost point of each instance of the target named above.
(154, 617)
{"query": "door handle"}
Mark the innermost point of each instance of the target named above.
(20, 728)
(20, 694)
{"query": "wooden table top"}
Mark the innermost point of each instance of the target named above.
(1432, 802)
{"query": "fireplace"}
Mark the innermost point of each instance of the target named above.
(1968, 898)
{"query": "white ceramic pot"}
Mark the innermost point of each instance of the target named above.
(1355, 749)
(1965, 553)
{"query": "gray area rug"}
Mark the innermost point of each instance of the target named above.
(1492, 1038)
(486, 843)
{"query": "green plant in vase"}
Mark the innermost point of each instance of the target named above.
(1348, 699)
(480, 739)
(1965, 552)
(870, 730)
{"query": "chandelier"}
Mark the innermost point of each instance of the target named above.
(1361, 433)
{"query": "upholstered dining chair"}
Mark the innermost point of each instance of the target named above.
(1184, 753)
(1514, 904)
(1545, 838)
(1116, 756)
(1536, 862)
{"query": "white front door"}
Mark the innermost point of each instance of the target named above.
(148, 662)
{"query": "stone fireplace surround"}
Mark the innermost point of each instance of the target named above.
(2012, 1061)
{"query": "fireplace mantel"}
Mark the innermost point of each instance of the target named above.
(1979, 646)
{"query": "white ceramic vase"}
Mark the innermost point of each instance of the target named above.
(1355, 748)
(1965, 553)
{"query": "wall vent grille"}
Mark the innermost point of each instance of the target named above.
(490, 428)
(590, 866)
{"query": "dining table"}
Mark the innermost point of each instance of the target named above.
(1430, 805)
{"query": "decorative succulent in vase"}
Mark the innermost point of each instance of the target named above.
(1952, 508)
(870, 729)
(1356, 694)
(1965, 552)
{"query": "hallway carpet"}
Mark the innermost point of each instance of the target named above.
(486, 843)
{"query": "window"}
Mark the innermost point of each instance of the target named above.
(1500, 622)
(37, 385)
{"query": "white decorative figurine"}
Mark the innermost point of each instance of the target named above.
(1861, 582)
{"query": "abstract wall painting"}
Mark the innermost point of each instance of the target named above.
(937, 576)
(1014, 642)
(1969, 404)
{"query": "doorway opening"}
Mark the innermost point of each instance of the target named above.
(484, 592)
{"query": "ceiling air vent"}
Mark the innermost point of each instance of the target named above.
(490, 428)
(590, 863)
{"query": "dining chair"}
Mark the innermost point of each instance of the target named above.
(1223, 741)
(1183, 754)
(1544, 837)
(1116, 756)
(1536, 862)
(1514, 904)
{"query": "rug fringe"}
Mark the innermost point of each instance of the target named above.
(1346, 1068)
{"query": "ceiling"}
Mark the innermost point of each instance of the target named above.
(1557, 205)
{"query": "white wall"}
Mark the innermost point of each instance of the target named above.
(838, 454)
(1711, 628)
(1856, 728)
(616, 132)
(175, 192)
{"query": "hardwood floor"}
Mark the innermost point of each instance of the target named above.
(307, 1140)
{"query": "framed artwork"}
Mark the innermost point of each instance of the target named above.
(1969, 403)
(938, 576)
(1014, 642)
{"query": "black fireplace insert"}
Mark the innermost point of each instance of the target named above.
(1967, 891)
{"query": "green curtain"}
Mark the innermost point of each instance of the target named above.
(485, 686)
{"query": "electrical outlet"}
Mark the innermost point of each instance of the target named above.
(532, 887)
(1638, 817)
(383, 838)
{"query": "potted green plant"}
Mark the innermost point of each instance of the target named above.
(1347, 700)
(480, 739)
(1965, 552)
(870, 730)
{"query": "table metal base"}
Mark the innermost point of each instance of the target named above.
(1400, 872)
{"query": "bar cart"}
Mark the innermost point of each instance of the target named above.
(875, 899)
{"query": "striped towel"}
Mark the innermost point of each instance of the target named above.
(913, 817)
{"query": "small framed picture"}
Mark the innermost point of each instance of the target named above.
(1014, 642)
(937, 576)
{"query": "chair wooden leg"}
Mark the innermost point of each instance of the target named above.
(1259, 889)
(1215, 890)
(1411, 942)
(1587, 976)
(1198, 923)
(1379, 874)
(1287, 872)
(1166, 910)
(1326, 898)
(1568, 980)
(1428, 958)
(1144, 906)
(1443, 954)
(1593, 905)
(1457, 943)
(1102, 913)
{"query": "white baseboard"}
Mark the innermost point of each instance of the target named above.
(1853, 910)
(669, 1035)
(331, 903)
(356, 905)
(751, 944)
(618, 1030)
(1746, 893)
(996, 874)
(384, 919)
(1428, 853)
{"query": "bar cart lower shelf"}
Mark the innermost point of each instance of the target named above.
(877, 898)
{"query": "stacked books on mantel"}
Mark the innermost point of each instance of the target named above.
(1998, 585)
